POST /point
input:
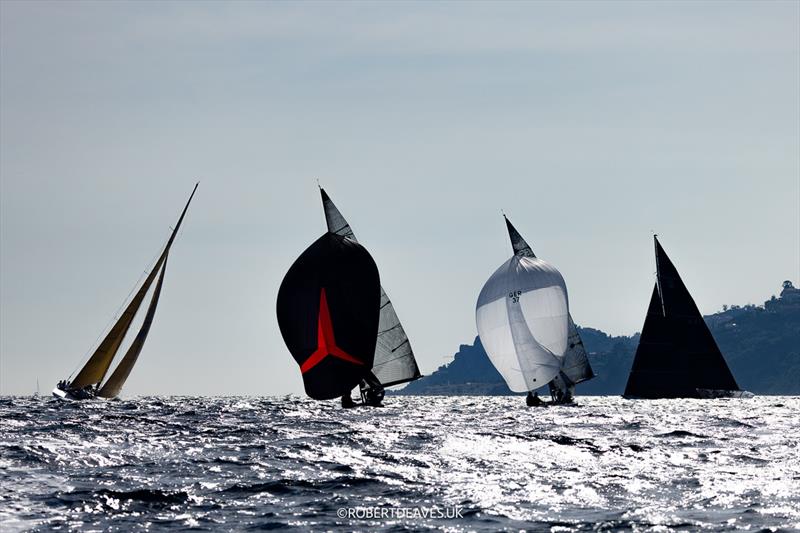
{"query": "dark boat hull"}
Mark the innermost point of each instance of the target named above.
(698, 394)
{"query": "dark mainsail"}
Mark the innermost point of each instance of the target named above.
(677, 356)
(328, 312)
(518, 244)
(394, 359)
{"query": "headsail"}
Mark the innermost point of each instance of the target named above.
(677, 355)
(575, 367)
(575, 364)
(113, 386)
(394, 361)
(97, 366)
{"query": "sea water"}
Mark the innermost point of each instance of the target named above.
(419, 463)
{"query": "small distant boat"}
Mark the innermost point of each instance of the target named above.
(525, 326)
(677, 356)
(91, 382)
(394, 362)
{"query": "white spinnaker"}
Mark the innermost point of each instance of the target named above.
(523, 321)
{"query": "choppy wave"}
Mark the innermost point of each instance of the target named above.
(481, 463)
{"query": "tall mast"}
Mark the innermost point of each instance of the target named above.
(96, 368)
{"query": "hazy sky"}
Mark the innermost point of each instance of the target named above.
(591, 124)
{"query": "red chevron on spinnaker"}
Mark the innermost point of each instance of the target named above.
(326, 343)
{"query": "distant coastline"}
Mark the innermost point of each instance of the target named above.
(760, 343)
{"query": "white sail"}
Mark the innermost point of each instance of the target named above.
(523, 321)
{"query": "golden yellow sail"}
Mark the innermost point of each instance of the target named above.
(96, 367)
(98, 364)
(113, 386)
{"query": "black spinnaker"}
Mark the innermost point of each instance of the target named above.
(328, 311)
(677, 356)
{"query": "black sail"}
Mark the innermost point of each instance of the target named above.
(677, 356)
(328, 312)
(520, 246)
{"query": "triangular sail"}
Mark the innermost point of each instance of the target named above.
(113, 386)
(521, 248)
(334, 219)
(677, 354)
(394, 359)
(98, 364)
(575, 364)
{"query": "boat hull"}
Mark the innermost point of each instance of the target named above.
(700, 394)
(60, 394)
(714, 393)
(67, 395)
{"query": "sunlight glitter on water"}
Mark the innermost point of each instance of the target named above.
(235, 463)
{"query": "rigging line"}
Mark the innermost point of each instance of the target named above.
(107, 329)
(395, 359)
(390, 329)
(341, 228)
(401, 344)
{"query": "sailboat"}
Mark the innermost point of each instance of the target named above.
(394, 362)
(677, 356)
(91, 381)
(525, 326)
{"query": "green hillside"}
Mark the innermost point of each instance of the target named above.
(760, 343)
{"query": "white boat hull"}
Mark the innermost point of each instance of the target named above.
(58, 393)
(714, 393)
(66, 395)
